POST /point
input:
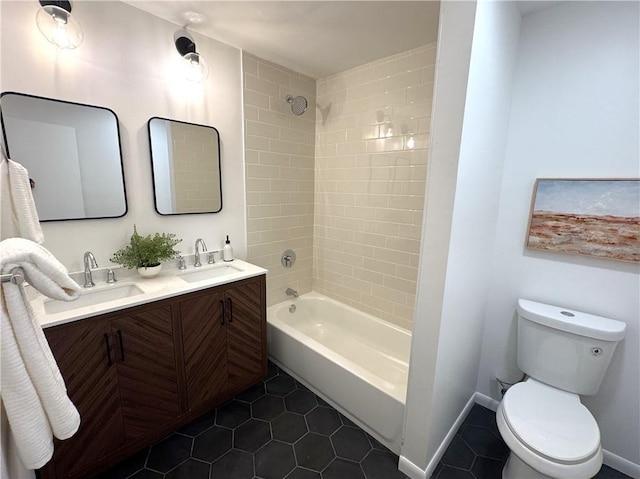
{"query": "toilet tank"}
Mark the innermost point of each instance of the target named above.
(566, 349)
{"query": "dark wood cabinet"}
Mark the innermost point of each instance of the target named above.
(139, 373)
(147, 372)
(246, 335)
(83, 353)
(223, 332)
(205, 348)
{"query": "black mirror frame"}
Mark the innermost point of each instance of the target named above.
(153, 171)
(117, 122)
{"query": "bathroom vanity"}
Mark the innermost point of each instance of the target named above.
(138, 372)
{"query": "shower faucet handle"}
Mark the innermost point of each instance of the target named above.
(288, 258)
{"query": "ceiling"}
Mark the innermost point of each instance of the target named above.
(315, 38)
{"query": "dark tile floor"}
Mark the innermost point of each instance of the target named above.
(275, 430)
(478, 452)
(281, 430)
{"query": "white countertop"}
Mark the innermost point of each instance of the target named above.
(166, 285)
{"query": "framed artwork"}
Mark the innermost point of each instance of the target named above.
(586, 216)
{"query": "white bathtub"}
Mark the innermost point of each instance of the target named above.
(355, 361)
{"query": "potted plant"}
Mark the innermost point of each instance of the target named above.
(147, 252)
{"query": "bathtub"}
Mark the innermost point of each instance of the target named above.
(355, 361)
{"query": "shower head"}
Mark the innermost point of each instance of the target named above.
(298, 104)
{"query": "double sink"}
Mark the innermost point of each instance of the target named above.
(164, 285)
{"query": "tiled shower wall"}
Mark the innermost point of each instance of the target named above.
(279, 156)
(371, 128)
(372, 135)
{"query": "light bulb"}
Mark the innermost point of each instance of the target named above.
(59, 27)
(60, 36)
(410, 143)
(196, 67)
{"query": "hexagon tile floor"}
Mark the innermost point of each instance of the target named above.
(477, 451)
(281, 430)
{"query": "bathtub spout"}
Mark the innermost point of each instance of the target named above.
(291, 292)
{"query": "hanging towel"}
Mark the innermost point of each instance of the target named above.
(19, 217)
(34, 396)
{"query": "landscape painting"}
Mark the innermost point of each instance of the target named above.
(589, 217)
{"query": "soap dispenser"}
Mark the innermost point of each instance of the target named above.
(227, 251)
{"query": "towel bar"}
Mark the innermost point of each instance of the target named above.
(16, 276)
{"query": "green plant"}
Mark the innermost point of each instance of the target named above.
(146, 251)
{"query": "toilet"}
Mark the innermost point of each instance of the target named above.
(564, 354)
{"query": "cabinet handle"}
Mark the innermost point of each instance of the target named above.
(106, 342)
(224, 311)
(121, 345)
(230, 310)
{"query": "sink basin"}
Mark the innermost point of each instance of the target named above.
(91, 297)
(200, 274)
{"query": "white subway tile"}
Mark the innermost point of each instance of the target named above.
(280, 146)
(262, 171)
(268, 158)
(261, 129)
(259, 85)
(252, 142)
(255, 98)
(274, 118)
(251, 113)
(402, 81)
(376, 72)
(274, 75)
(249, 65)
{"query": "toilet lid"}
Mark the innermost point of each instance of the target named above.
(551, 422)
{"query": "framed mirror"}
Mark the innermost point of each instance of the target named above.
(185, 158)
(72, 152)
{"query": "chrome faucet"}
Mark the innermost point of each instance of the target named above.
(196, 257)
(89, 262)
(291, 292)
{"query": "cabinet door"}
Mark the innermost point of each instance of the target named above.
(85, 356)
(205, 348)
(147, 375)
(246, 334)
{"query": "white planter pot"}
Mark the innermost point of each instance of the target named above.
(149, 272)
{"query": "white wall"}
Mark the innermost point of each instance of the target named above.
(475, 212)
(452, 68)
(128, 63)
(473, 224)
(574, 115)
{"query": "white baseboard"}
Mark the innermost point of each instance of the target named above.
(413, 471)
(486, 401)
(621, 464)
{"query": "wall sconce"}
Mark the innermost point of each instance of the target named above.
(56, 23)
(197, 69)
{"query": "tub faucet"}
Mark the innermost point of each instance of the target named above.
(291, 292)
(196, 257)
(89, 262)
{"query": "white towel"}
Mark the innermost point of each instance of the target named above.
(33, 393)
(19, 217)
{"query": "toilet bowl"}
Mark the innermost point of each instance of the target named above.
(550, 434)
(565, 354)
